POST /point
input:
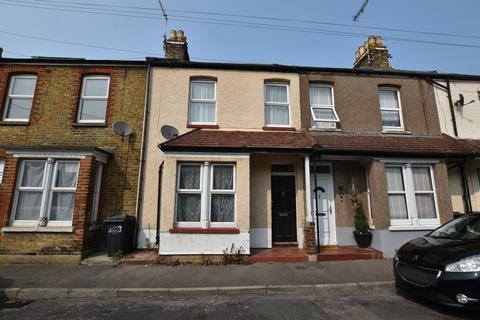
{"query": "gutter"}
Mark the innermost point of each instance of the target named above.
(141, 179)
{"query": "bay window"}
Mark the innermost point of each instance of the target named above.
(205, 194)
(202, 107)
(390, 108)
(20, 98)
(411, 195)
(2, 167)
(277, 105)
(322, 106)
(45, 193)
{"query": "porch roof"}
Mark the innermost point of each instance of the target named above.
(239, 141)
(378, 144)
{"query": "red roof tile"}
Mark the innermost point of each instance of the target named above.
(391, 144)
(198, 140)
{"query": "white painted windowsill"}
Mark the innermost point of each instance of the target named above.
(38, 229)
(413, 228)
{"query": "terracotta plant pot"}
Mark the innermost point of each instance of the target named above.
(363, 240)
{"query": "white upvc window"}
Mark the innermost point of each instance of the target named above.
(222, 193)
(411, 195)
(205, 194)
(96, 193)
(202, 106)
(2, 168)
(45, 193)
(322, 106)
(390, 108)
(20, 98)
(93, 99)
(277, 113)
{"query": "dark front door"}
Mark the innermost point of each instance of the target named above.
(284, 220)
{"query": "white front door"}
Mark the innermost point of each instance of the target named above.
(325, 201)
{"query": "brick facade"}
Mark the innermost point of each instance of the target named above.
(53, 124)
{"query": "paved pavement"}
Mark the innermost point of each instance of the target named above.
(188, 276)
(359, 303)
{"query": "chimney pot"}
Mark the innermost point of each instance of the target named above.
(371, 40)
(181, 35)
(378, 40)
(173, 35)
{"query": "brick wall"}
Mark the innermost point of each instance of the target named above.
(53, 123)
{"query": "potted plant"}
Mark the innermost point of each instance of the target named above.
(362, 234)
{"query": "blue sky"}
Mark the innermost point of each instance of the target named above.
(143, 36)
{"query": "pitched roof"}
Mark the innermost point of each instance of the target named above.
(392, 145)
(239, 141)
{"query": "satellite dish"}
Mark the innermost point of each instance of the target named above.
(122, 128)
(169, 132)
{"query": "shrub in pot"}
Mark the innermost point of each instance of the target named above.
(362, 234)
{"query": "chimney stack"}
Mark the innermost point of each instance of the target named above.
(372, 55)
(176, 47)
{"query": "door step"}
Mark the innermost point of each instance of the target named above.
(285, 244)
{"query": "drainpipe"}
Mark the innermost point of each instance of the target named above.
(452, 109)
(466, 188)
(308, 189)
(160, 172)
(140, 182)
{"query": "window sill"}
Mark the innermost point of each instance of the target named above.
(325, 129)
(67, 229)
(393, 131)
(96, 125)
(15, 123)
(414, 228)
(203, 126)
(204, 231)
(273, 128)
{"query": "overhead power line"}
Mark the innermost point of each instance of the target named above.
(89, 5)
(235, 23)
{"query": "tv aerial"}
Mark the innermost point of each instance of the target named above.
(169, 132)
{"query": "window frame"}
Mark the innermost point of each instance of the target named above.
(47, 189)
(276, 104)
(52, 189)
(11, 96)
(399, 109)
(93, 98)
(318, 122)
(212, 191)
(2, 169)
(96, 193)
(179, 191)
(205, 190)
(192, 100)
(413, 220)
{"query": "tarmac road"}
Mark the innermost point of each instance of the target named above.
(352, 303)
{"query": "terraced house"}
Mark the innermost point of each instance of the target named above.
(248, 156)
(62, 167)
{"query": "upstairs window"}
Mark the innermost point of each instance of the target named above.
(322, 106)
(277, 105)
(93, 99)
(390, 108)
(20, 98)
(202, 102)
(411, 195)
(45, 193)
